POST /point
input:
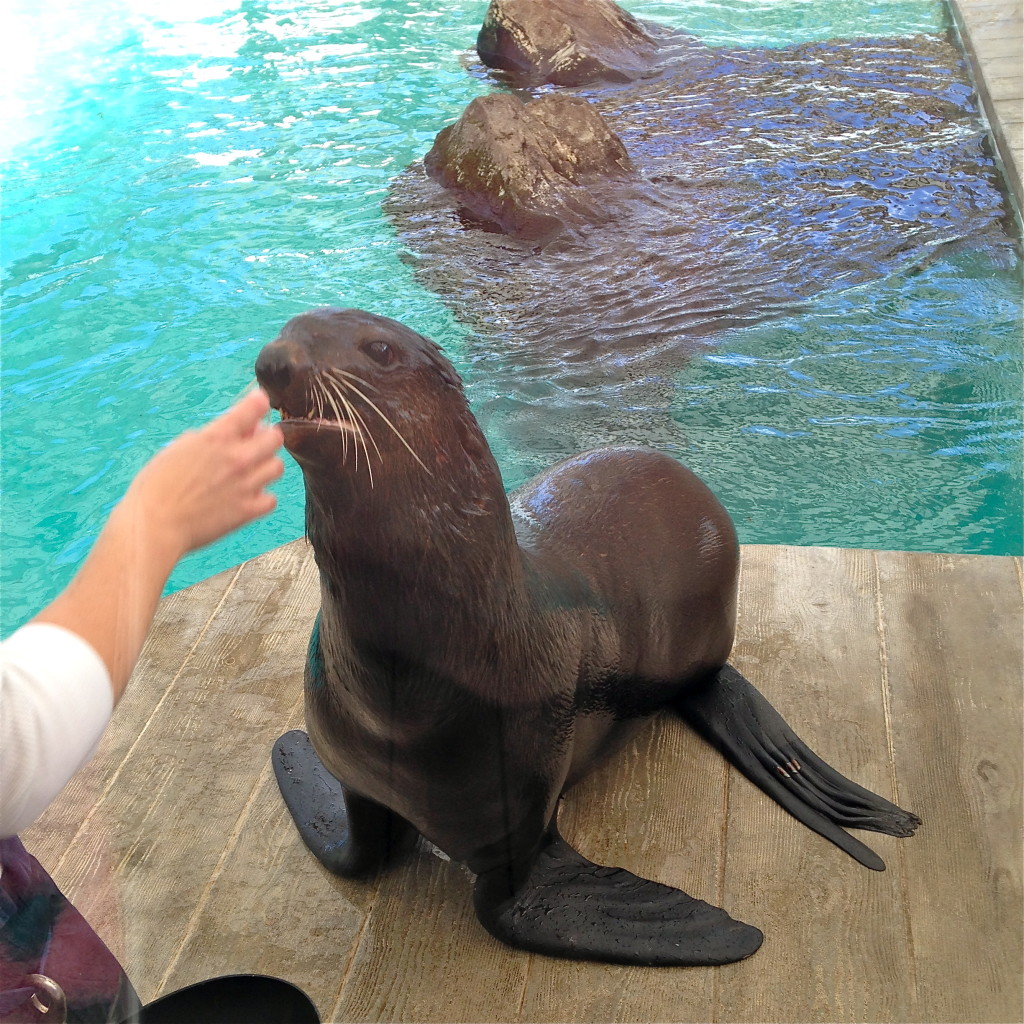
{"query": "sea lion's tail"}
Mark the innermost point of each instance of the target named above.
(730, 713)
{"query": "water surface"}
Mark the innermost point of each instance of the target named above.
(180, 180)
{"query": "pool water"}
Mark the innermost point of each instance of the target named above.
(177, 185)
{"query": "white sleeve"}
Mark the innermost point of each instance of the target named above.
(55, 701)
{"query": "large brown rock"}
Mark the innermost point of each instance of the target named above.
(565, 42)
(527, 169)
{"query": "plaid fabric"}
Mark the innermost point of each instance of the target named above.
(42, 933)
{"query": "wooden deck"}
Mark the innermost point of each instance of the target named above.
(905, 670)
(992, 35)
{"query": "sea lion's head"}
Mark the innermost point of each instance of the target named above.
(353, 388)
(377, 418)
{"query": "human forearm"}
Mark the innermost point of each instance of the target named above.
(111, 601)
(203, 485)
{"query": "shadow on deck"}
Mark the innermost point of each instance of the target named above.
(904, 670)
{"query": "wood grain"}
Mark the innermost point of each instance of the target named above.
(954, 654)
(905, 671)
(835, 947)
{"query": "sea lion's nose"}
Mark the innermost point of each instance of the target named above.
(275, 366)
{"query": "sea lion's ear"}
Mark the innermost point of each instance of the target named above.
(472, 441)
(444, 367)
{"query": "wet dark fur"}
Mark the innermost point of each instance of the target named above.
(474, 656)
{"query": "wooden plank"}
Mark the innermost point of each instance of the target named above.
(835, 933)
(952, 637)
(180, 792)
(903, 670)
(992, 39)
(657, 809)
(272, 909)
(423, 956)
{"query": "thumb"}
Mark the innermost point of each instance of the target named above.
(244, 416)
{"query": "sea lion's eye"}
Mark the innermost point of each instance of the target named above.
(380, 352)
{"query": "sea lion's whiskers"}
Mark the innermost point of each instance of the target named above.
(352, 377)
(338, 416)
(357, 421)
(320, 383)
(348, 383)
(319, 393)
(318, 397)
(356, 416)
(340, 385)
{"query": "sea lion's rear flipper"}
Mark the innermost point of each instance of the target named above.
(730, 713)
(567, 906)
(347, 833)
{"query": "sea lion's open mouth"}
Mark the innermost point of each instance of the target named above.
(316, 420)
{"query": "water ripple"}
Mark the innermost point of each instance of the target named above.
(140, 282)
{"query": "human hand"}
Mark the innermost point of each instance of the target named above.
(210, 481)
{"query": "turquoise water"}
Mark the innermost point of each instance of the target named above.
(178, 184)
(889, 417)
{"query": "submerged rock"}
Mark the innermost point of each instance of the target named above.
(523, 168)
(565, 42)
(761, 177)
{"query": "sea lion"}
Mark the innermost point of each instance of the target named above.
(474, 656)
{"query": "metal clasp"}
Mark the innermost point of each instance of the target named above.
(56, 1002)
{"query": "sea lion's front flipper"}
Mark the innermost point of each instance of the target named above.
(566, 906)
(730, 713)
(347, 833)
